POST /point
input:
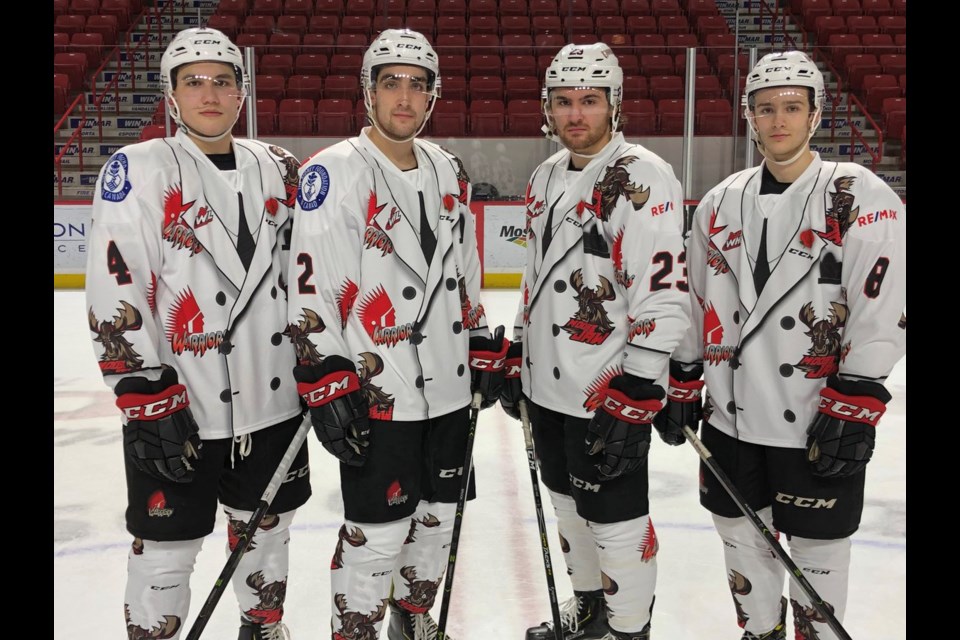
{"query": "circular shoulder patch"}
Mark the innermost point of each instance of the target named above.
(115, 185)
(314, 186)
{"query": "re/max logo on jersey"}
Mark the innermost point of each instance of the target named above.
(661, 208)
(876, 216)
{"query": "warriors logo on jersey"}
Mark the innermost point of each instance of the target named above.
(175, 230)
(642, 327)
(422, 592)
(290, 175)
(534, 207)
(379, 319)
(615, 184)
(376, 238)
(355, 625)
(354, 537)
(166, 629)
(714, 352)
(590, 324)
(346, 296)
(842, 213)
(118, 354)
(620, 274)
(272, 596)
(157, 505)
(598, 388)
(822, 358)
(184, 327)
(379, 401)
(395, 494)
(299, 335)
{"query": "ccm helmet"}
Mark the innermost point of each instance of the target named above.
(399, 46)
(200, 45)
(585, 66)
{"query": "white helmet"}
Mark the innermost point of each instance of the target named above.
(786, 69)
(585, 66)
(399, 46)
(200, 45)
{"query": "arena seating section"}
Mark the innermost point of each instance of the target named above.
(494, 52)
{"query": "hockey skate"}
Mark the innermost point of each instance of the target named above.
(779, 632)
(254, 631)
(582, 617)
(411, 626)
(628, 635)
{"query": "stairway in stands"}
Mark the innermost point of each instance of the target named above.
(137, 105)
(833, 139)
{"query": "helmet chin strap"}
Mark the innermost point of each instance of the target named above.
(175, 114)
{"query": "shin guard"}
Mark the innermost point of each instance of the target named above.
(576, 542)
(628, 560)
(826, 565)
(260, 580)
(157, 597)
(423, 558)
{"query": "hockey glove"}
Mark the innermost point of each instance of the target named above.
(487, 362)
(512, 391)
(684, 408)
(620, 429)
(338, 408)
(841, 437)
(160, 436)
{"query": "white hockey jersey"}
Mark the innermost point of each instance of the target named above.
(362, 288)
(608, 294)
(834, 302)
(165, 284)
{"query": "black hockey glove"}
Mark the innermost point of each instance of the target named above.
(160, 436)
(841, 437)
(512, 391)
(338, 408)
(487, 362)
(684, 408)
(620, 429)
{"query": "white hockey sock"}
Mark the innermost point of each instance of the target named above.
(628, 559)
(754, 574)
(157, 597)
(260, 579)
(576, 542)
(360, 575)
(826, 566)
(423, 558)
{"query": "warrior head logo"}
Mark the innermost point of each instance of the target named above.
(175, 230)
(299, 335)
(590, 323)
(650, 545)
(345, 299)
(118, 354)
(534, 207)
(615, 184)
(376, 311)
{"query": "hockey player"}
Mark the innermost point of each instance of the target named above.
(187, 306)
(798, 271)
(604, 304)
(392, 340)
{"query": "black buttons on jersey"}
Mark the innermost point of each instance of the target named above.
(529, 364)
(451, 284)
(787, 322)
(416, 338)
(275, 384)
(734, 363)
(560, 286)
(419, 382)
(225, 395)
(460, 370)
(731, 407)
(273, 292)
(789, 416)
(786, 370)
(409, 293)
(221, 298)
(556, 373)
(457, 327)
(225, 347)
(276, 339)
(556, 330)
(736, 317)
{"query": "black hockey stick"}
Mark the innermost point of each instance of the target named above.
(544, 544)
(458, 520)
(822, 607)
(246, 535)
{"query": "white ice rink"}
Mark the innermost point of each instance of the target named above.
(500, 586)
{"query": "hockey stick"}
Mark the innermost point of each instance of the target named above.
(246, 535)
(458, 520)
(818, 603)
(544, 544)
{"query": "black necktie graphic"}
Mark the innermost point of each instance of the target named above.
(245, 244)
(428, 241)
(762, 269)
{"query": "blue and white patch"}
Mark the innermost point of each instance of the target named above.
(115, 186)
(314, 186)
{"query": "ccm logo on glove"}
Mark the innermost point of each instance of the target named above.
(869, 411)
(136, 406)
(622, 407)
(328, 388)
(487, 364)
